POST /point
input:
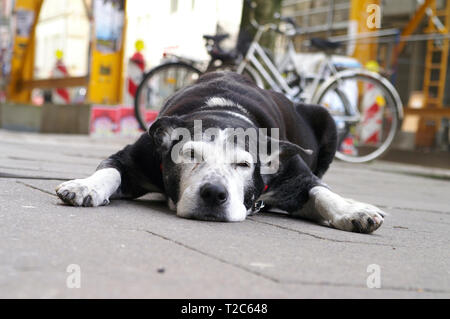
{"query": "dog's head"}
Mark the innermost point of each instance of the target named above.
(212, 173)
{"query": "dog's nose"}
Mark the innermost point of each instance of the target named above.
(214, 194)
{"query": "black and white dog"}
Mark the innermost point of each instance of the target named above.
(191, 154)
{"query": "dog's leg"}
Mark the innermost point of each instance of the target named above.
(93, 191)
(329, 208)
(299, 192)
(322, 205)
(130, 173)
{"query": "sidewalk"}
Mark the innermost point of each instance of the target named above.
(141, 249)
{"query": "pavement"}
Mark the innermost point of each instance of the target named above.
(139, 249)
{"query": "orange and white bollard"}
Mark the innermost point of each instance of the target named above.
(135, 73)
(372, 111)
(373, 105)
(60, 95)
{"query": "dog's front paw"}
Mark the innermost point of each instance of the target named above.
(359, 218)
(79, 193)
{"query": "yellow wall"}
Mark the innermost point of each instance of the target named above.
(22, 63)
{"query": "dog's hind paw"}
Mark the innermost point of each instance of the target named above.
(359, 218)
(80, 193)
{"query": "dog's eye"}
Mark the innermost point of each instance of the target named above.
(191, 155)
(242, 165)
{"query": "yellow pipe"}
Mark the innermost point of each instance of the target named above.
(410, 28)
(361, 21)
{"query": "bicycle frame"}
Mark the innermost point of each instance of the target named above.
(278, 83)
(276, 80)
(271, 74)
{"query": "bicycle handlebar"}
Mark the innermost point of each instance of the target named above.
(287, 20)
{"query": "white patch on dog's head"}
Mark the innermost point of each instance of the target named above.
(216, 164)
(229, 107)
(220, 101)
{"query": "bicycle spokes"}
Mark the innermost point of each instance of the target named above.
(364, 113)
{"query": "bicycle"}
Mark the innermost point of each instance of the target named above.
(365, 105)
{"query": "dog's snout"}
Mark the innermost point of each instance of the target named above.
(214, 194)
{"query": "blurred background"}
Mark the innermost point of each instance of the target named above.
(67, 66)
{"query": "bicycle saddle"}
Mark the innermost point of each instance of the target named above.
(324, 44)
(216, 38)
(225, 56)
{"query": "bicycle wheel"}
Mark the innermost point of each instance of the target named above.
(159, 84)
(367, 110)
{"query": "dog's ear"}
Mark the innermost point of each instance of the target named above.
(281, 151)
(161, 132)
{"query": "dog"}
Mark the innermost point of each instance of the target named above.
(191, 155)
